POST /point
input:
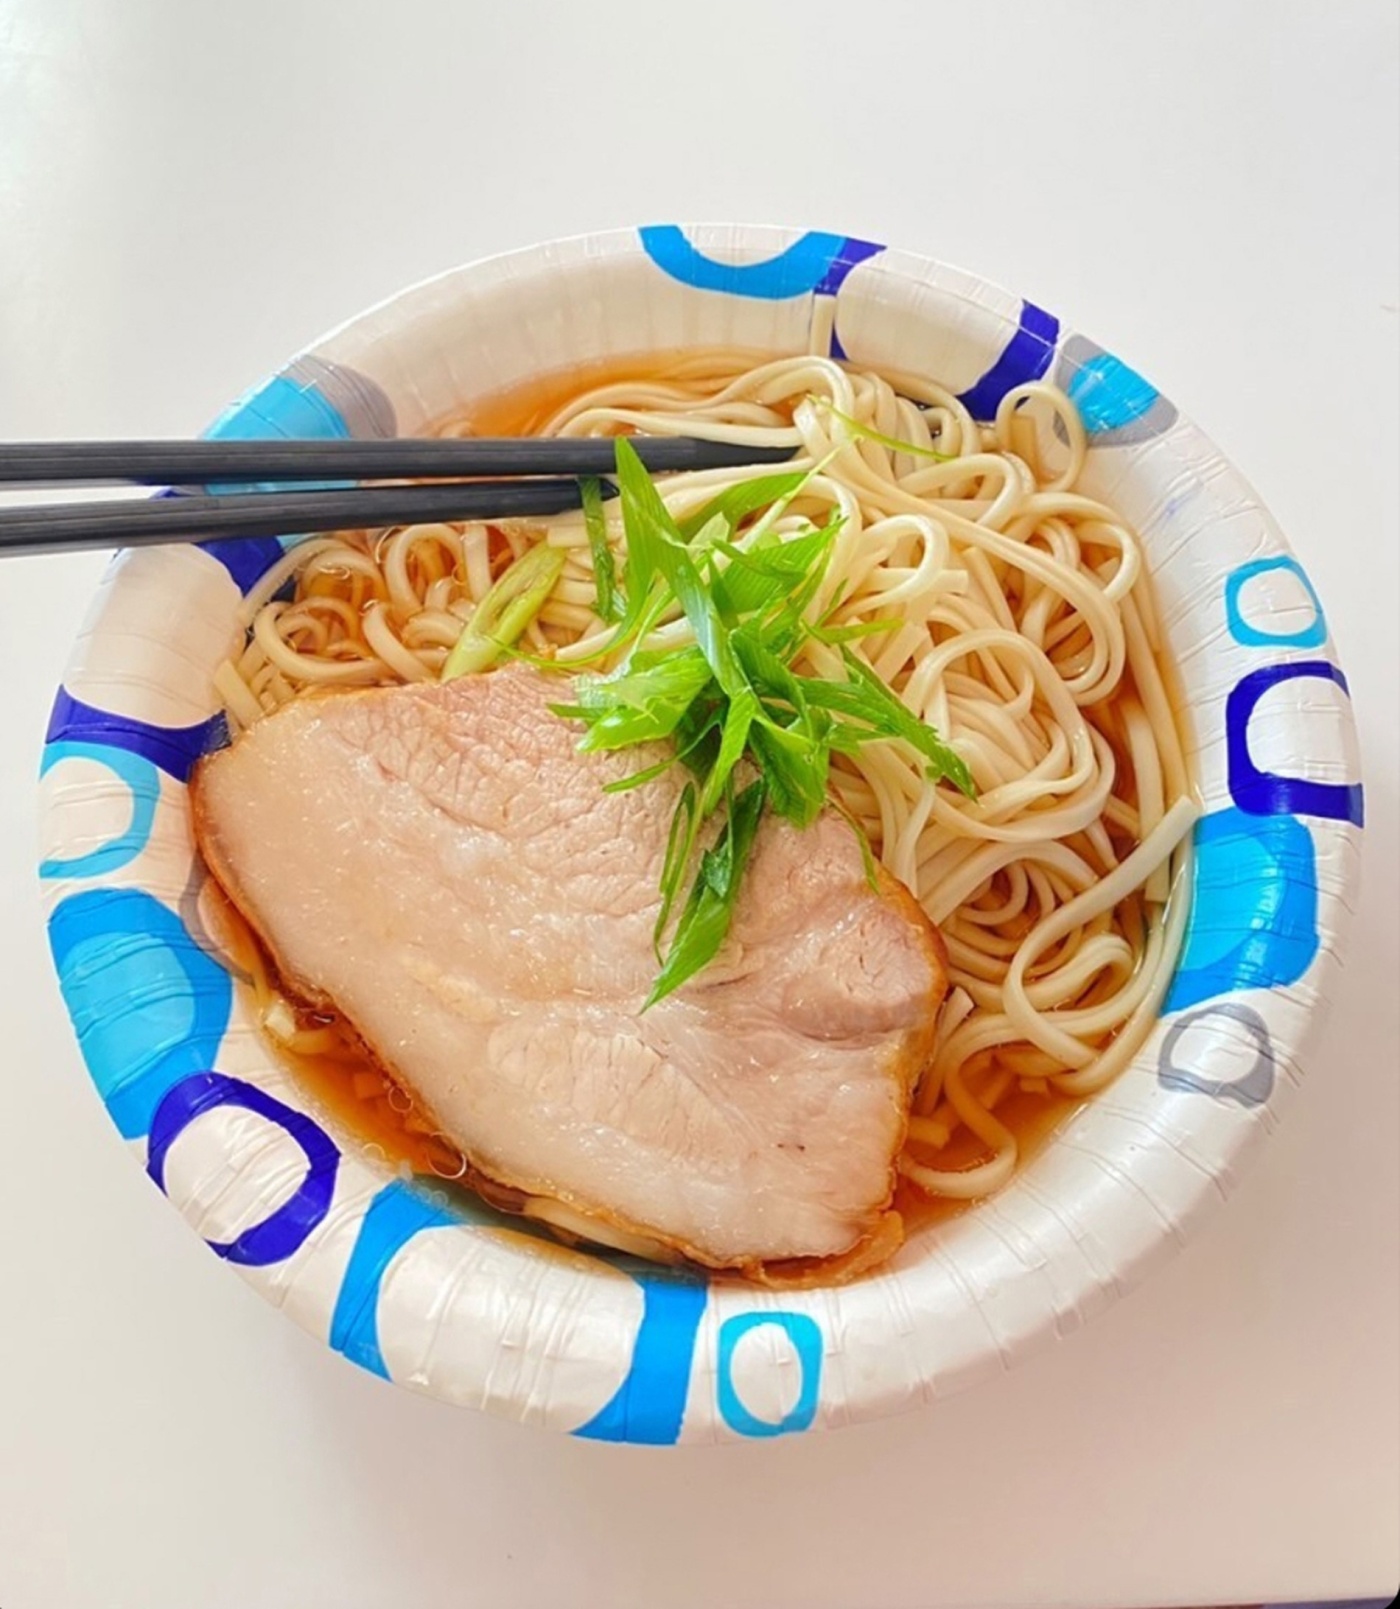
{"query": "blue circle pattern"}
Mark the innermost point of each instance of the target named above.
(806, 1340)
(1119, 408)
(1253, 920)
(649, 1406)
(286, 1229)
(310, 400)
(814, 264)
(142, 781)
(1313, 635)
(1108, 394)
(1249, 1089)
(172, 749)
(396, 1214)
(1026, 357)
(151, 1007)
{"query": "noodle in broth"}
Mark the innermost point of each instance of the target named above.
(1021, 625)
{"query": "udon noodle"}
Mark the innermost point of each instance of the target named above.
(1021, 625)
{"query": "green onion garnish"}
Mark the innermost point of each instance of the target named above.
(869, 433)
(507, 609)
(733, 698)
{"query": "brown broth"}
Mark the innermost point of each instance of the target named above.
(522, 409)
(367, 1102)
(341, 1075)
(1031, 1117)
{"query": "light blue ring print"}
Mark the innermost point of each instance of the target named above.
(140, 776)
(1312, 635)
(806, 1339)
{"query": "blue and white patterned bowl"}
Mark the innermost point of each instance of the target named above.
(417, 1283)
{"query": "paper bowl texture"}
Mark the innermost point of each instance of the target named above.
(417, 1282)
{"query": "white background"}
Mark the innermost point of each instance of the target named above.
(188, 192)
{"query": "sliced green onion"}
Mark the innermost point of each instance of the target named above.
(595, 523)
(735, 503)
(704, 923)
(732, 699)
(869, 433)
(680, 841)
(507, 609)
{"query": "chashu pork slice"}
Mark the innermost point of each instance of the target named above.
(442, 865)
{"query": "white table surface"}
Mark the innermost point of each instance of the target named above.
(188, 192)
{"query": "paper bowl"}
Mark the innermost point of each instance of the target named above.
(414, 1282)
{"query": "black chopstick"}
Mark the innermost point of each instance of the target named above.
(183, 463)
(133, 522)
